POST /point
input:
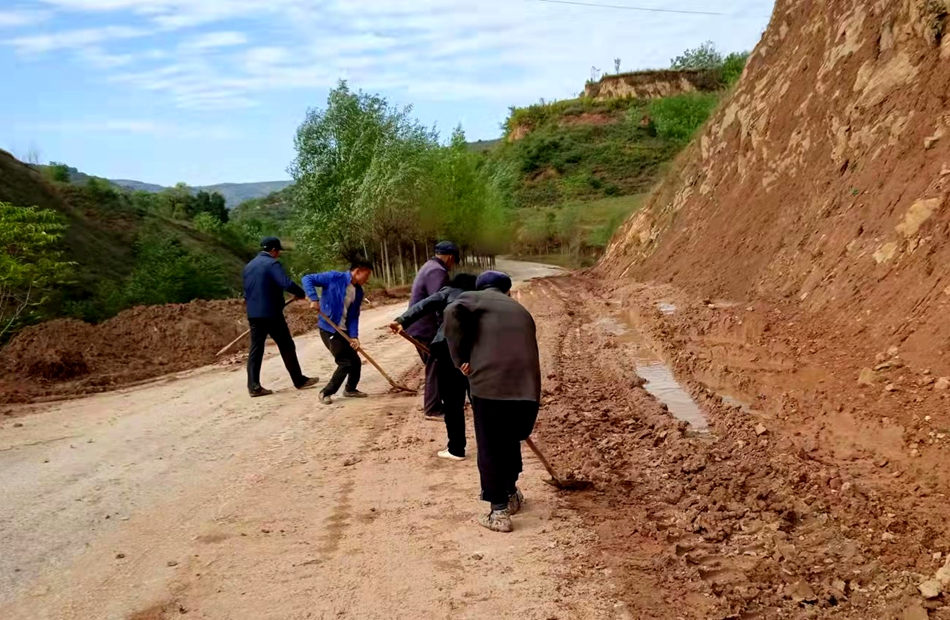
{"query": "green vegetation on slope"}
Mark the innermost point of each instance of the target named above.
(113, 239)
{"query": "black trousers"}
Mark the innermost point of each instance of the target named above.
(277, 329)
(453, 386)
(500, 427)
(348, 363)
(431, 398)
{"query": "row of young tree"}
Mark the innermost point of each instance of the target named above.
(370, 180)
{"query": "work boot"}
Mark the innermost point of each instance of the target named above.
(354, 394)
(515, 501)
(325, 399)
(260, 392)
(308, 383)
(496, 520)
(435, 417)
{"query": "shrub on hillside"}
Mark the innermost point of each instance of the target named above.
(677, 118)
(31, 265)
(167, 272)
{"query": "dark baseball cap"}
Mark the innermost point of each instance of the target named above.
(271, 243)
(494, 279)
(447, 248)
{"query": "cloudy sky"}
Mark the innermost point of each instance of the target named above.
(206, 91)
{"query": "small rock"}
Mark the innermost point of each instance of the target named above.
(172, 563)
(930, 588)
(119, 556)
(760, 430)
(887, 536)
(915, 612)
(801, 592)
(265, 531)
(866, 377)
(890, 387)
(353, 460)
(943, 575)
(937, 555)
(892, 351)
(477, 556)
(929, 141)
(943, 383)
(18, 425)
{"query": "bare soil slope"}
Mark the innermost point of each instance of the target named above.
(823, 180)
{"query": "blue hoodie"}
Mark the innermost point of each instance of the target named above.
(334, 285)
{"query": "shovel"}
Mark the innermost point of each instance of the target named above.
(566, 484)
(396, 386)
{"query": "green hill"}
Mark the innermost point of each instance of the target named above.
(234, 193)
(117, 242)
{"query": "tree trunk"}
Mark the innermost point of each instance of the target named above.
(386, 279)
(402, 266)
(415, 258)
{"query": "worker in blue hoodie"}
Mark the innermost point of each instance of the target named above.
(340, 302)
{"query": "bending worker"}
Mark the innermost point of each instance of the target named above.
(492, 340)
(432, 277)
(264, 284)
(341, 301)
(452, 384)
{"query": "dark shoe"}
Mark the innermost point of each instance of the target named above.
(260, 392)
(354, 394)
(496, 521)
(310, 382)
(325, 399)
(435, 417)
(515, 502)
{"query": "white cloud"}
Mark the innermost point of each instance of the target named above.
(213, 40)
(492, 51)
(15, 19)
(71, 39)
(135, 126)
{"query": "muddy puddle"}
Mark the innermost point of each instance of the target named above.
(660, 381)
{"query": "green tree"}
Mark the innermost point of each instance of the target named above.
(166, 272)
(706, 56)
(732, 67)
(31, 264)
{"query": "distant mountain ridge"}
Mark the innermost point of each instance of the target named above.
(234, 193)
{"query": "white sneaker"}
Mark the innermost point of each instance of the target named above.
(445, 454)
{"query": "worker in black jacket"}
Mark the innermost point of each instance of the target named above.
(452, 384)
(264, 284)
(493, 341)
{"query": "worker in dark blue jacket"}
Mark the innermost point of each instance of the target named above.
(264, 284)
(432, 276)
(340, 302)
(452, 384)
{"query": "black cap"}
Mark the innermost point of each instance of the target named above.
(494, 279)
(447, 248)
(271, 243)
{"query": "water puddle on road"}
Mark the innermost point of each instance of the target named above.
(660, 381)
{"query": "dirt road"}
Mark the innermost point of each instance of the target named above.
(184, 496)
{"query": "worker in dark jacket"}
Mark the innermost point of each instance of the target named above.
(341, 301)
(264, 284)
(452, 383)
(433, 276)
(492, 340)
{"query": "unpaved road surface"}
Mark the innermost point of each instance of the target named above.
(184, 496)
(751, 478)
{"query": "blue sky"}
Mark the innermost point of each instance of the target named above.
(208, 91)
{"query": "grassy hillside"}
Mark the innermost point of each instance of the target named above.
(580, 166)
(117, 243)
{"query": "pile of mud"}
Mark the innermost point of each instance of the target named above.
(67, 357)
(823, 180)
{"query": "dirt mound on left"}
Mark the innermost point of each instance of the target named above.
(67, 356)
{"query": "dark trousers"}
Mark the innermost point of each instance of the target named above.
(500, 427)
(431, 399)
(453, 386)
(348, 363)
(277, 329)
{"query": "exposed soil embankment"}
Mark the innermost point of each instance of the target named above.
(66, 357)
(823, 180)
